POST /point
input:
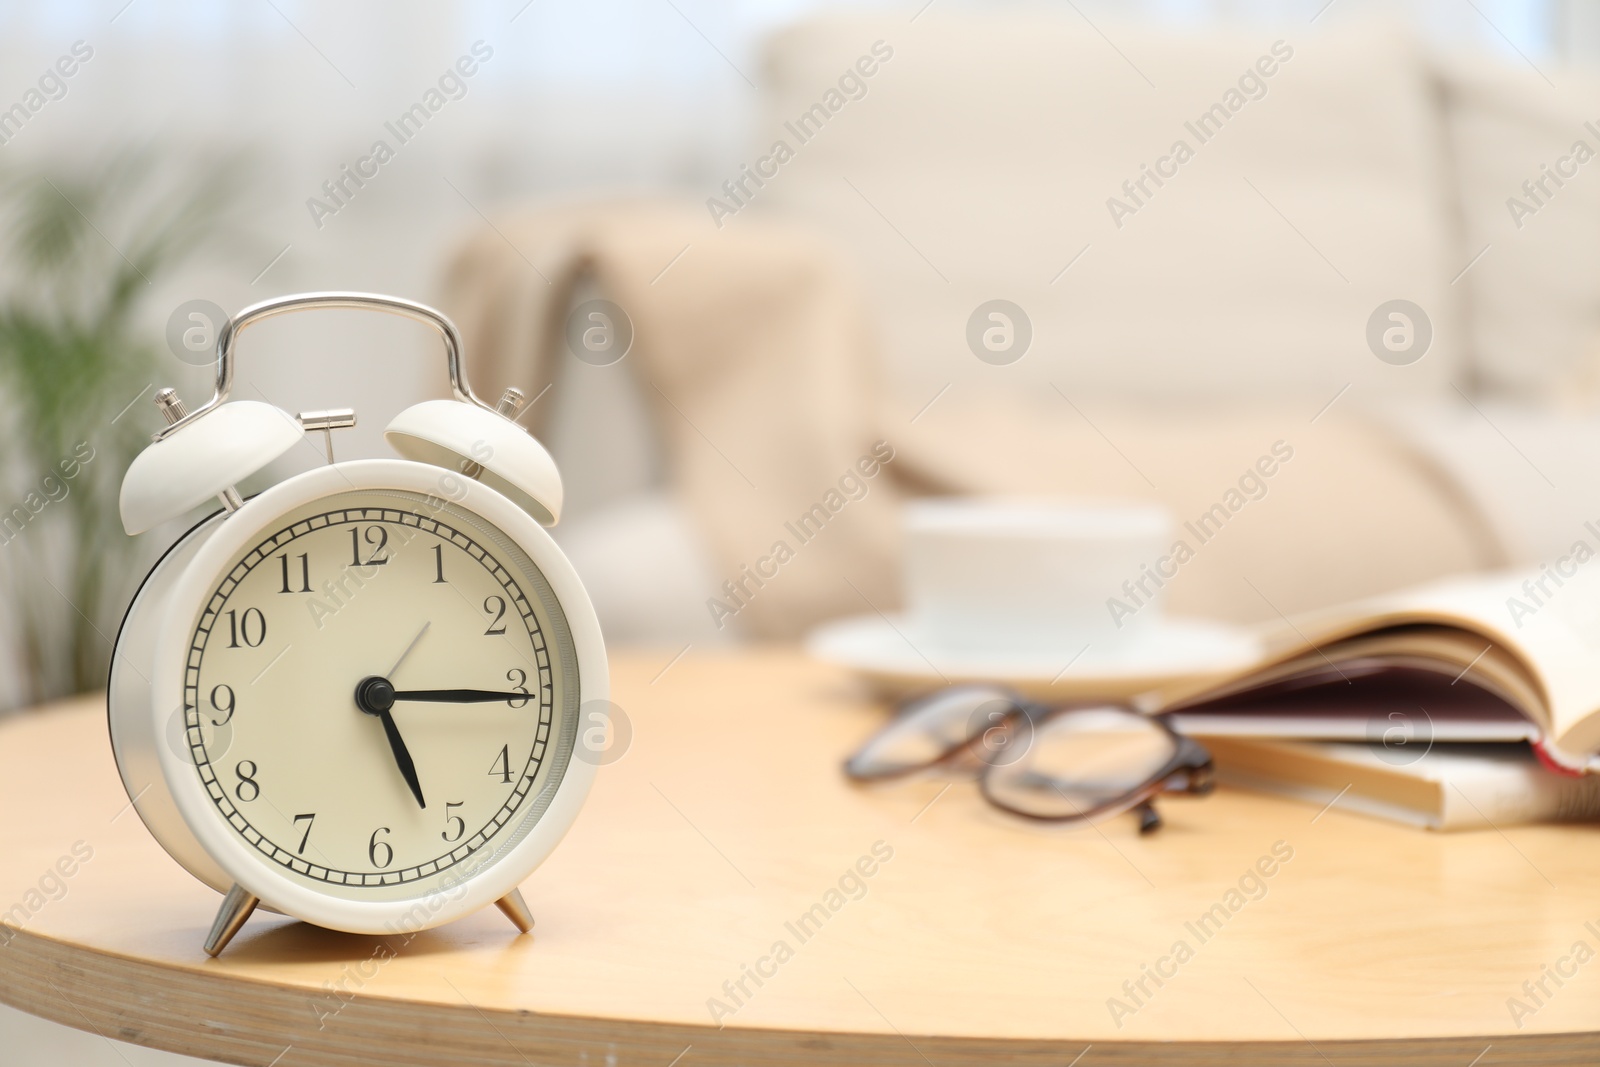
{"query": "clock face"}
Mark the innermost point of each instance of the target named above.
(380, 694)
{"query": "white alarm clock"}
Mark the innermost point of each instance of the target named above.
(355, 698)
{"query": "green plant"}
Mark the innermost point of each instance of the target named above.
(84, 253)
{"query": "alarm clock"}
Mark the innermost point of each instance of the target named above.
(355, 697)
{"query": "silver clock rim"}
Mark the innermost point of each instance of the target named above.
(437, 901)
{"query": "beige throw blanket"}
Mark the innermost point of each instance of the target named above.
(755, 350)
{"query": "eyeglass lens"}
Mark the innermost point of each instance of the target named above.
(1078, 761)
(932, 728)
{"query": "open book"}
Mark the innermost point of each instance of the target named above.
(1474, 659)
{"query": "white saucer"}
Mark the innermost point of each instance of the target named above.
(894, 655)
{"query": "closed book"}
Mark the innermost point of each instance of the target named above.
(1443, 786)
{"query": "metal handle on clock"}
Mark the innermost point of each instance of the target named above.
(228, 339)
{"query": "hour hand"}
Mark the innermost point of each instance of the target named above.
(375, 696)
(402, 756)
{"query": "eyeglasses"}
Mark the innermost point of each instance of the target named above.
(1052, 764)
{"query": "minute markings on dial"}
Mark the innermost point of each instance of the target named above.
(403, 526)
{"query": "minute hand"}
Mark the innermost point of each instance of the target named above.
(458, 696)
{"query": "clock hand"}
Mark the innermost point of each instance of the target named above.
(458, 696)
(402, 757)
(375, 696)
(393, 670)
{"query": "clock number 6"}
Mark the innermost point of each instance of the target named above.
(460, 823)
(374, 845)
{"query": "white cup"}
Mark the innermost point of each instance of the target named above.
(1027, 575)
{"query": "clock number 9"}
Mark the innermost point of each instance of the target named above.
(247, 781)
(496, 606)
(519, 684)
(225, 709)
(241, 628)
(376, 848)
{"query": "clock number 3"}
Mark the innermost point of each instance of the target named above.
(519, 684)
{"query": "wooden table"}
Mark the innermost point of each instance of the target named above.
(981, 939)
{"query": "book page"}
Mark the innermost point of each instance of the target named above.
(1552, 631)
(1379, 701)
(1528, 639)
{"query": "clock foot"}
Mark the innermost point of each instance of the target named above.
(516, 909)
(236, 908)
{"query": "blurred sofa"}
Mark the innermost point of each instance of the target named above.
(1188, 306)
(982, 157)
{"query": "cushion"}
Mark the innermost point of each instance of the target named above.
(1532, 302)
(985, 158)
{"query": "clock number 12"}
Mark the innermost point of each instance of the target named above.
(377, 538)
